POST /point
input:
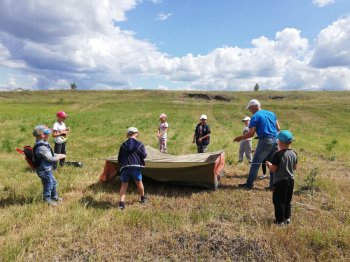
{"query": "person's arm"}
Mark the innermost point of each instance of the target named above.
(278, 127)
(203, 137)
(295, 167)
(142, 151)
(271, 166)
(247, 135)
(56, 133)
(45, 153)
(161, 133)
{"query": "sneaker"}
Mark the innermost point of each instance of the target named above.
(144, 199)
(287, 221)
(263, 176)
(121, 205)
(245, 186)
(280, 224)
(51, 203)
(58, 199)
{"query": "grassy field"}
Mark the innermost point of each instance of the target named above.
(179, 223)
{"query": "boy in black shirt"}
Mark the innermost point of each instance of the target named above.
(201, 135)
(283, 164)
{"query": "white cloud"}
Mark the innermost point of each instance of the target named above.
(162, 87)
(332, 46)
(156, 1)
(163, 16)
(322, 3)
(82, 43)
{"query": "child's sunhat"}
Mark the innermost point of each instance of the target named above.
(203, 117)
(285, 136)
(247, 118)
(162, 115)
(132, 130)
(61, 114)
(41, 129)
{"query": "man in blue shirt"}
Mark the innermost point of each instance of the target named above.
(264, 123)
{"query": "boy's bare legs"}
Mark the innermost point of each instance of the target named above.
(140, 188)
(122, 191)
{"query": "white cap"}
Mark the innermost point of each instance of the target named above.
(203, 117)
(253, 102)
(132, 130)
(162, 115)
(247, 118)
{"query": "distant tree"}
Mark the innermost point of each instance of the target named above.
(256, 87)
(73, 86)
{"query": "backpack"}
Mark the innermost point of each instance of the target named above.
(29, 152)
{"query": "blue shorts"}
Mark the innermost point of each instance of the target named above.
(133, 173)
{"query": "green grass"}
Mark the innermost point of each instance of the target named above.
(179, 223)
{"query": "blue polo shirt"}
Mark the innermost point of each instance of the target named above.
(264, 122)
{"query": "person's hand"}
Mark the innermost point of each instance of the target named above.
(237, 139)
(61, 156)
(268, 164)
(200, 140)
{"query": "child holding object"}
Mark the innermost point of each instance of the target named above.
(131, 160)
(283, 164)
(162, 133)
(60, 133)
(245, 146)
(201, 135)
(44, 158)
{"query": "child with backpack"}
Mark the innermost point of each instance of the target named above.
(60, 133)
(44, 158)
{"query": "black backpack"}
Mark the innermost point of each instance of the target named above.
(33, 160)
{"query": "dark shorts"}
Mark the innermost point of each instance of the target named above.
(133, 173)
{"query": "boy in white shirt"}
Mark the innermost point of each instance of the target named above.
(245, 146)
(60, 133)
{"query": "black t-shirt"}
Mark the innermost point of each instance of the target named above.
(200, 131)
(285, 160)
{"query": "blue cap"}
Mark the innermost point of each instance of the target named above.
(41, 129)
(285, 136)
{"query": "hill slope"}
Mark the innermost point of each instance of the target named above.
(179, 223)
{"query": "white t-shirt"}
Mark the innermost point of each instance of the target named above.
(246, 130)
(57, 126)
(162, 128)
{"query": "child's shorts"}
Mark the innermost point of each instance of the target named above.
(133, 173)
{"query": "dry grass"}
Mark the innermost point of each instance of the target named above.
(179, 223)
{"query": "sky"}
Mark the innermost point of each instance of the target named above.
(226, 45)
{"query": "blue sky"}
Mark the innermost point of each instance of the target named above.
(198, 27)
(175, 45)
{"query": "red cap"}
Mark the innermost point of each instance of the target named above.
(62, 114)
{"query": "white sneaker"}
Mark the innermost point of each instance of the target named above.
(263, 176)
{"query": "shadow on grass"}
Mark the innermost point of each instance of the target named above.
(171, 189)
(90, 202)
(236, 187)
(152, 187)
(15, 200)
